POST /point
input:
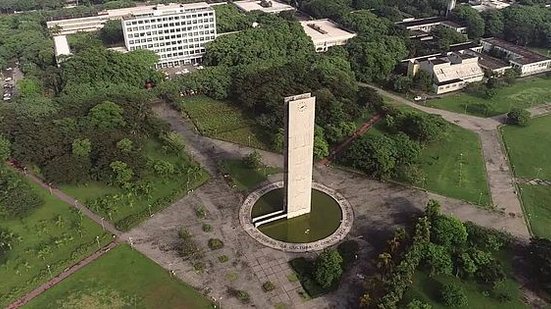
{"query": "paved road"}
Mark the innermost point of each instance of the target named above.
(57, 279)
(500, 177)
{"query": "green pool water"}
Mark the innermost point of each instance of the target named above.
(322, 221)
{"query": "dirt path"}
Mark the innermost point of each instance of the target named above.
(358, 133)
(57, 279)
(500, 177)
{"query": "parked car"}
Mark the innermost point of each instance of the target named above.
(418, 98)
(8, 79)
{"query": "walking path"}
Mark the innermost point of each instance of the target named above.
(106, 225)
(57, 279)
(359, 132)
(500, 177)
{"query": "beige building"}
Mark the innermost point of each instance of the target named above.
(325, 33)
(299, 148)
(450, 72)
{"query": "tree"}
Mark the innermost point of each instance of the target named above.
(328, 268)
(466, 266)
(518, 116)
(374, 60)
(539, 260)
(493, 19)
(453, 296)
(163, 168)
(402, 84)
(417, 304)
(422, 127)
(106, 115)
(111, 33)
(373, 154)
(253, 160)
(125, 145)
(81, 147)
(438, 260)
(491, 273)
(321, 147)
(122, 173)
(471, 18)
(422, 81)
(18, 198)
(448, 232)
(5, 149)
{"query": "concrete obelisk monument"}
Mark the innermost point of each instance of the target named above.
(298, 153)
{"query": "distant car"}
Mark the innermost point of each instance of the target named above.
(7, 98)
(8, 79)
(418, 98)
(185, 71)
(200, 67)
(9, 68)
(178, 73)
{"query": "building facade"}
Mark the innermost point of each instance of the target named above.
(525, 61)
(325, 33)
(176, 33)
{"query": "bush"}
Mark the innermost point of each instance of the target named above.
(518, 116)
(183, 233)
(448, 232)
(206, 227)
(491, 273)
(215, 244)
(453, 296)
(243, 296)
(268, 286)
(17, 197)
(200, 212)
(253, 160)
(223, 259)
(328, 268)
(199, 266)
(417, 304)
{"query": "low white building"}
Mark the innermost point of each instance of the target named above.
(325, 33)
(451, 72)
(267, 6)
(61, 48)
(520, 58)
(426, 25)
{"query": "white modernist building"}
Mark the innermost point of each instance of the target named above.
(267, 6)
(177, 33)
(61, 48)
(450, 72)
(520, 58)
(325, 33)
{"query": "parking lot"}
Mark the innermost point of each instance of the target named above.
(180, 70)
(10, 76)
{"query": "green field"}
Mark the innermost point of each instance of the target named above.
(529, 148)
(130, 209)
(55, 234)
(245, 178)
(222, 120)
(122, 278)
(524, 93)
(537, 207)
(440, 162)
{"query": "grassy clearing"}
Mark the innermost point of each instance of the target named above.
(440, 162)
(122, 278)
(56, 235)
(245, 178)
(529, 148)
(524, 93)
(537, 204)
(132, 210)
(222, 120)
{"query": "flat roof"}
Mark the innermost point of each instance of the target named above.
(490, 62)
(421, 21)
(150, 9)
(253, 5)
(325, 29)
(61, 46)
(463, 46)
(526, 56)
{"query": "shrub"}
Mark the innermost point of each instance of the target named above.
(243, 296)
(253, 160)
(223, 259)
(215, 244)
(199, 266)
(491, 273)
(518, 116)
(448, 232)
(453, 296)
(268, 286)
(417, 304)
(328, 268)
(206, 227)
(200, 212)
(183, 233)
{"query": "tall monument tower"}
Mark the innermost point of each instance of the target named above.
(298, 153)
(451, 7)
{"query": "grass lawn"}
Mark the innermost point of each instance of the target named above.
(132, 210)
(54, 234)
(440, 162)
(537, 204)
(245, 178)
(222, 120)
(529, 148)
(122, 278)
(524, 93)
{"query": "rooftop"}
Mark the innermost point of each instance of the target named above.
(325, 29)
(421, 21)
(463, 46)
(61, 45)
(489, 62)
(252, 5)
(524, 55)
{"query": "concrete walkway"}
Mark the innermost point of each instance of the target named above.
(500, 177)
